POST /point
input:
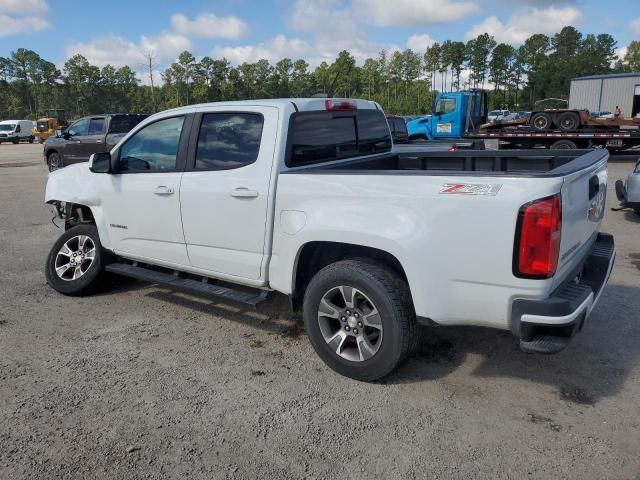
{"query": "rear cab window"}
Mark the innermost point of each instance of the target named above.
(321, 136)
(124, 123)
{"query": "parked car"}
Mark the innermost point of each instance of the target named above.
(628, 192)
(398, 128)
(515, 116)
(497, 115)
(15, 131)
(307, 197)
(93, 134)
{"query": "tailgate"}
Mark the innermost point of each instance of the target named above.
(583, 205)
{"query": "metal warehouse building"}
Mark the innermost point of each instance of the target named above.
(603, 92)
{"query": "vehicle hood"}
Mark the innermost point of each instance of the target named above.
(417, 125)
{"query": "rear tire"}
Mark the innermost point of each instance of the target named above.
(75, 261)
(367, 337)
(40, 140)
(569, 121)
(31, 139)
(541, 121)
(15, 141)
(563, 145)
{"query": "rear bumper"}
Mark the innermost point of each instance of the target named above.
(547, 326)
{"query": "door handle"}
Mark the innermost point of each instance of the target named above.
(243, 192)
(98, 141)
(163, 190)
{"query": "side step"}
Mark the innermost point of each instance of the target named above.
(544, 344)
(188, 285)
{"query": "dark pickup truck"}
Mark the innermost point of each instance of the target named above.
(88, 135)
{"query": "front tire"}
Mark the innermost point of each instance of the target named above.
(54, 162)
(75, 261)
(359, 318)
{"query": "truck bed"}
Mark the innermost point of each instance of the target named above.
(532, 163)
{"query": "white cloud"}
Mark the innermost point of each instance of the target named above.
(208, 25)
(621, 52)
(22, 16)
(10, 25)
(333, 28)
(412, 12)
(419, 43)
(635, 26)
(118, 51)
(519, 27)
(23, 7)
(273, 50)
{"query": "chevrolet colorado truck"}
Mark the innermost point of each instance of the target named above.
(88, 135)
(308, 197)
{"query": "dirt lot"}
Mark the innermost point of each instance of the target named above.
(138, 382)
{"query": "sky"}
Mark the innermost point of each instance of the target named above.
(120, 32)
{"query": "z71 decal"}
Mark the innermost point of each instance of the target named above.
(470, 189)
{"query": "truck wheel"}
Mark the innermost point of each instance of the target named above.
(54, 162)
(621, 192)
(541, 121)
(569, 121)
(40, 140)
(15, 141)
(75, 261)
(31, 139)
(359, 319)
(563, 145)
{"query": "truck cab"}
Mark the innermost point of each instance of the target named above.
(454, 113)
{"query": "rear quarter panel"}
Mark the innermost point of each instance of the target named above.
(456, 250)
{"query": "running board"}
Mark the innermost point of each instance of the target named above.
(188, 285)
(544, 344)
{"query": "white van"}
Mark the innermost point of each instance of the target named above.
(16, 130)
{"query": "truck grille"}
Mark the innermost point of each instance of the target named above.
(3, 135)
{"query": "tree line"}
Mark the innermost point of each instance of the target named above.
(403, 82)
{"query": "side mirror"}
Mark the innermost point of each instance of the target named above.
(66, 135)
(100, 162)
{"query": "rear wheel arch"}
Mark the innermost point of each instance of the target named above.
(314, 256)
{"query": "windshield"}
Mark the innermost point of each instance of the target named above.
(7, 127)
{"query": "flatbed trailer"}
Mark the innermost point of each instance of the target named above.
(618, 141)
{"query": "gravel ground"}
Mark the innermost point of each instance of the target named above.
(139, 382)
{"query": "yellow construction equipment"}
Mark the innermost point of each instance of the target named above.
(52, 120)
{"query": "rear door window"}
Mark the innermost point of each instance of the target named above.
(228, 140)
(325, 136)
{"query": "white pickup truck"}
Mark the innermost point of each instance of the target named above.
(308, 197)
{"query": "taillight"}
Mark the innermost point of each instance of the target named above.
(340, 105)
(538, 238)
